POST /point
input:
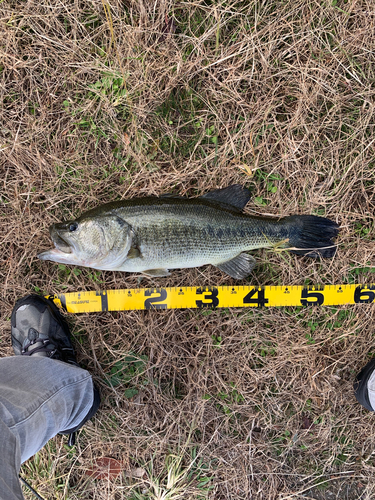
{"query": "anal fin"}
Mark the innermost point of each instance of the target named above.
(239, 267)
(157, 273)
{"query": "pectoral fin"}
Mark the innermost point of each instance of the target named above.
(157, 273)
(239, 267)
(133, 253)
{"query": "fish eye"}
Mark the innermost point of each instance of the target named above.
(73, 226)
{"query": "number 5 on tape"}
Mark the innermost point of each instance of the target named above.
(311, 297)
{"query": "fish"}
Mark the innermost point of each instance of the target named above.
(153, 235)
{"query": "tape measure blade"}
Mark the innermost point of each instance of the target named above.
(211, 297)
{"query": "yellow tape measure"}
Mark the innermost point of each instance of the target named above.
(211, 297)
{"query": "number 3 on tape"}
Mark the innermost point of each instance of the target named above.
(209, 293)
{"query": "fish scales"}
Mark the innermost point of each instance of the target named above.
(172, 232)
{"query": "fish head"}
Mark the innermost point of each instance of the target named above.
(101, 242)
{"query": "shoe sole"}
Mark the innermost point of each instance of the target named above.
(360, 385)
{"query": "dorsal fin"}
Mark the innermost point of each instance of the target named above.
(236, 196)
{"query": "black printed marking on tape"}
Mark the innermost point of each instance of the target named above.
(259, 298)
(155, 302)
(104, 298)
(363, 296)
(312, 297)
(62, 298)
(209, 293)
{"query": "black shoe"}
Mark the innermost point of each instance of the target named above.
(360, 385)
(38, 329)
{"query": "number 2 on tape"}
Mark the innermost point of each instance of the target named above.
(155, 302)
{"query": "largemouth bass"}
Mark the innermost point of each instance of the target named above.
(152, 235)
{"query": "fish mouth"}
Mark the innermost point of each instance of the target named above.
(58, 241)
(63, 251)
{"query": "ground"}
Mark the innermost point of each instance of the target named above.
(104, 101)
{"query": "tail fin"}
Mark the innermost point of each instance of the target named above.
(312, 236)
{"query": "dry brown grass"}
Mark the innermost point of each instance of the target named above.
(267, 94)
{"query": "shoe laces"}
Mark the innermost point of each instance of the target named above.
(45, 345)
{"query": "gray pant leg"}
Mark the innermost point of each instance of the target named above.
(39, 397)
